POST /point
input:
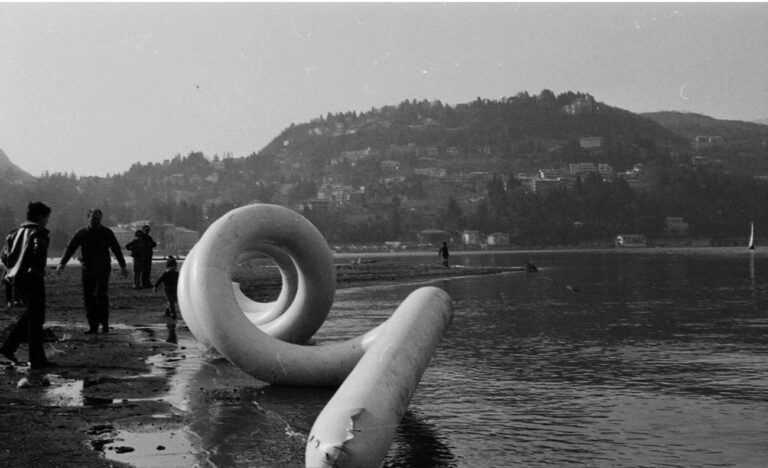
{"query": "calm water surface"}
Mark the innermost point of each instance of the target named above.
(606, 358)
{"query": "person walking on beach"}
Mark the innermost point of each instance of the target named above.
(138, 252)
(169, 279)
(24, 255)
(149, 246)
(95, 241)
(443, 252)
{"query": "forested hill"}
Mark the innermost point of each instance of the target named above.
(522, 126)
(690, 125)
(493, 166)
(740, 146)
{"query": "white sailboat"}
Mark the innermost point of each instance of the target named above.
(752, 236)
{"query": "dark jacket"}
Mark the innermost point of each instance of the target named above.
(149, 245)
(137, 248)
(94, 244)
(26, 251)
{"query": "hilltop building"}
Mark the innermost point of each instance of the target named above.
(582, 169)
(706, 141)
(675, 226)
(498, 238)
(591, 142)
(470, 237)
(580, 105)
(553, 173)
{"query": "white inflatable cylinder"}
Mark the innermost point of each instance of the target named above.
(356, 427)
(263, 339)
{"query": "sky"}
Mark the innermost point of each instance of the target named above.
(93, 88)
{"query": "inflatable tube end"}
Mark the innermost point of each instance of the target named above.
(320, 455)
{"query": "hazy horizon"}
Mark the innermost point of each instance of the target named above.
(92, 88)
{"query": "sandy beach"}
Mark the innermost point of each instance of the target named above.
(70, 415)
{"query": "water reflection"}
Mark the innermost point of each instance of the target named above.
(242, 422)
(657, 353)
(658, 360)
(418, 443)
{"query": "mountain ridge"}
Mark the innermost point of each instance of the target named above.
(522, 124)
(390, 172)
(12, 172)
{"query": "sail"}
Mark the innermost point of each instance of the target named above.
(752, 236)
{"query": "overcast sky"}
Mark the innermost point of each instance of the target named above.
(93, 88)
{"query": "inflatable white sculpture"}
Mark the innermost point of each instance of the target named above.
(378, 371)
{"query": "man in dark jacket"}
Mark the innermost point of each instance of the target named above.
(149, 246)
(25, 254)
(95, 241)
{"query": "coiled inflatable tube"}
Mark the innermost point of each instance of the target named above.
(264, 339)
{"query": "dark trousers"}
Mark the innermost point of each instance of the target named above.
(138, 271)
(173, 301)
(31, 291)
(95, 289)
(9, 292)
(146, 272)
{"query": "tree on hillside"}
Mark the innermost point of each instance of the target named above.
(394, 219)
(451, 217)
(162, 211)
(188, 215)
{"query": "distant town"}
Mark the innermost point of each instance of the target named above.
(529, 171)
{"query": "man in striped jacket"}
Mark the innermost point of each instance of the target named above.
(25, 254)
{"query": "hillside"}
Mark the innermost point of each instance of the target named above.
(523, 131)
(691, 125)
(740, 146)
(540, 169)
(12, 173)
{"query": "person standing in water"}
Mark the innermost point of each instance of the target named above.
(443, 252)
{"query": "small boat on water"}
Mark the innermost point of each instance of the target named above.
(752, 236)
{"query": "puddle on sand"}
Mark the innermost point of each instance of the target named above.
(171, 447)
(153, 449)
(69, 392)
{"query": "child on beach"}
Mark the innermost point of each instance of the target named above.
(169, 279)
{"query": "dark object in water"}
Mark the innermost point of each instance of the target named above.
(363, 261)
(530, 267)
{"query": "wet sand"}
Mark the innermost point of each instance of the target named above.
(109, 385)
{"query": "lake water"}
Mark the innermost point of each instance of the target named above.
(615, 358)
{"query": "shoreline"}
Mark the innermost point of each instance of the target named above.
(109, 389)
